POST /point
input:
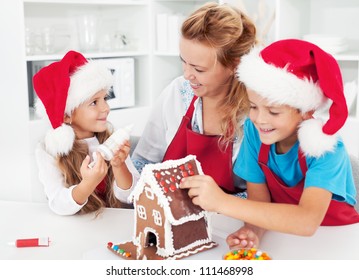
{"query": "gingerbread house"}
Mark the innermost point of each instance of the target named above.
(167, 224)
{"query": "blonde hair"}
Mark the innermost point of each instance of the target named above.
(231, 34)
(70, 168)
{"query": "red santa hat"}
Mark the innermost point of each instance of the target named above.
(299, 74)
(62, 87)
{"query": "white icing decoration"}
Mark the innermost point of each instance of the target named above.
(186, 254)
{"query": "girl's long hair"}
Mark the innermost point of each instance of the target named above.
(70, 167)
(232, 34)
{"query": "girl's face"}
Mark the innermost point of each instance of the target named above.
(207, 76)
(90, 116)
(275, 123)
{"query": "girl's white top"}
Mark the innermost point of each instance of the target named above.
(59, 197)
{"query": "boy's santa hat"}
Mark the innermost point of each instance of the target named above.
(62, 87)
(299, 74)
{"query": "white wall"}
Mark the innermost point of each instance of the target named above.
(14, 166)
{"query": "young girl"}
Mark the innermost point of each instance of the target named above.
(202, 112)
(298, 172)
(73, 92)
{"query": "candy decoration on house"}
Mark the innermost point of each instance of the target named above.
(167, 224)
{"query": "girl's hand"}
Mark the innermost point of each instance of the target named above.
(245, 237)
(204, 191)
(121, 154)
(93, 176)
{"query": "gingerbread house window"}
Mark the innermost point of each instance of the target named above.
(157, 218)
(141, 212)
(149, 193)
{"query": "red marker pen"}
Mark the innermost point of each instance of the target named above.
(33, 242)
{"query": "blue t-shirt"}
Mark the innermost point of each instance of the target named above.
(332, 171)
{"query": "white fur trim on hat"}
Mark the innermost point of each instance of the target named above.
(59, 141)
(277, 85)
(313, 141)
(87, 81)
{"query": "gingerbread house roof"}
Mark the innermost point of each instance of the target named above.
(163, 179)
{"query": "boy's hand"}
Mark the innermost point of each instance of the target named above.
(245, 237)
(204, 191)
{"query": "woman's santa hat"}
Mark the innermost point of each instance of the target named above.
(301, 75)
(62, 87)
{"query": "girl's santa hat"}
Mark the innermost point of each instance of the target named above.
(301, 75)
(62, 87)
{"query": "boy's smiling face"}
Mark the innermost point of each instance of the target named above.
(275, 123)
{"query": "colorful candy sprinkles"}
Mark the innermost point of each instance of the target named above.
(246, 254)
(118, 250)
(170, 182)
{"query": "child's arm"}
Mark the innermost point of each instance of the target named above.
(302, 219)
(91, 177)
(123, 176)
(250, 235)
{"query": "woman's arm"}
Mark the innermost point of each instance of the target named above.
(161, 127)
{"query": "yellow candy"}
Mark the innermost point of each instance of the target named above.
(246, 254)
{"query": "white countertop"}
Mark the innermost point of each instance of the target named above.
(86, 237)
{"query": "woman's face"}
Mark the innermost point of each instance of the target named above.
(207, 76)
(91, 116)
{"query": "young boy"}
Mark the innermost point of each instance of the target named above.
(297, 170)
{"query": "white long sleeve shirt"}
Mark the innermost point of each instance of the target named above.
(59, 196)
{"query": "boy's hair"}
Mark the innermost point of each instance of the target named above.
(231, 34)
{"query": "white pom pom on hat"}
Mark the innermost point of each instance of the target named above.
(62, 87)
(299, 74)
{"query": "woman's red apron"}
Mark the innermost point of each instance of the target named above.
(339, 213)
(215, 161)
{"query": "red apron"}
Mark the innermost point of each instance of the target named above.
(215, 162)
(338, 213)
(101, 189)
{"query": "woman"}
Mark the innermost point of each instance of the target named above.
(201, 112)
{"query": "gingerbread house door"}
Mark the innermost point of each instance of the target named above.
(149, 242)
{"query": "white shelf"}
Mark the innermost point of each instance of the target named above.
(88, 55)
(91, 2)
(347, 56)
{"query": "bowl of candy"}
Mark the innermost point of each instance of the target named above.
(246, 254)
